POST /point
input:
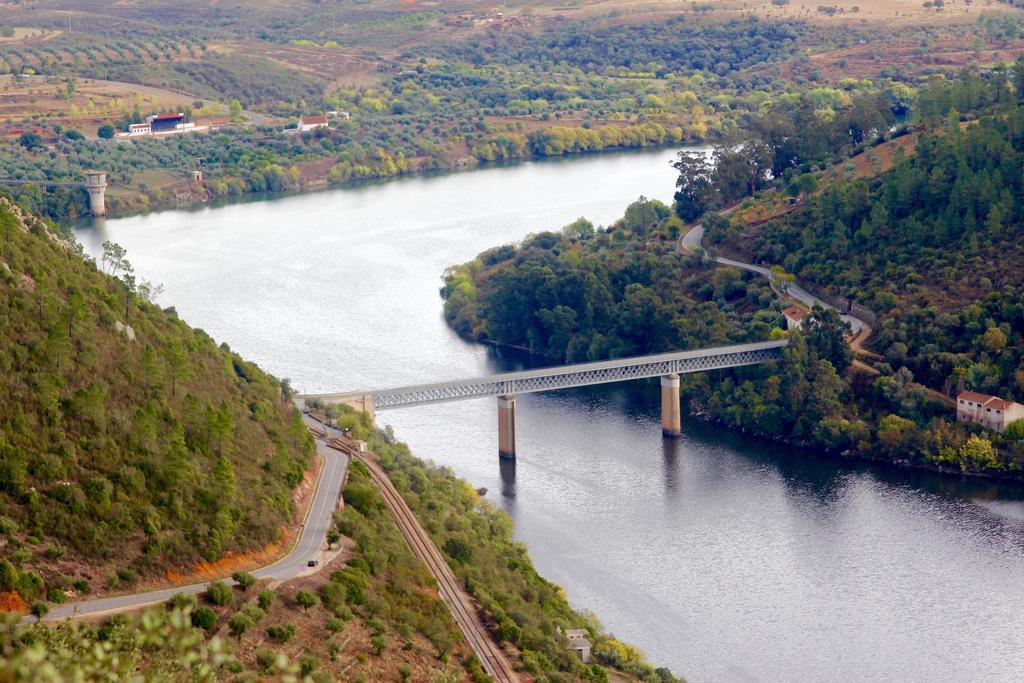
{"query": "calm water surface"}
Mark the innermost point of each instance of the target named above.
(726, 559)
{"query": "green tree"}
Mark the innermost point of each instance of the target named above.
(106, 131)
(897, 434)
(204, 618)
(305, 599)
(177, 365)
(266, 599)
(245, 580)
(977, 454)
(994, 340)
(219, 593)
(1014, 431)
(239, 623)
(149, 367)
(30, 141)
(826, 337)
(694, 191)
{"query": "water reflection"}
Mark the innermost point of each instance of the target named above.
(670, 449)
(507, 470)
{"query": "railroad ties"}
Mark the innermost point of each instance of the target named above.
(459, 602)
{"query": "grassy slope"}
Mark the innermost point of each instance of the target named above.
(140, 455)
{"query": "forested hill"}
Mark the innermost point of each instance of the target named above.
(124, 453)
(935, 247)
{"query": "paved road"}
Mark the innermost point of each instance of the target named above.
(692, 241)
(311, 540)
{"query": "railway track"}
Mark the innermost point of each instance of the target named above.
(458, 601)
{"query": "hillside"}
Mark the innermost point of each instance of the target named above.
(933, 246)
(125, 454)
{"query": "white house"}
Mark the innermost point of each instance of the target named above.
(794, 317)
(159, 125)
(579, 643)
(312, 123)
(988, 411)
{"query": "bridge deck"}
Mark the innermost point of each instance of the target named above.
(566, 376)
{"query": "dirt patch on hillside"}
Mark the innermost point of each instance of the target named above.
(949, 53)
(12, 602)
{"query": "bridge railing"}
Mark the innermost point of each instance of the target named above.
(569, 376)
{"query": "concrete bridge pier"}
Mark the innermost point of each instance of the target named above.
(96, 185)
(671, 416)
(507, 427)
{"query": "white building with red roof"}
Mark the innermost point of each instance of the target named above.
(988, 411)
(794, 317)
(312, 123)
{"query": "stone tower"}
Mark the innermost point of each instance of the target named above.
(96, 184)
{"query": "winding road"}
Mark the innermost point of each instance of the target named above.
(311, 540)
(693, 240)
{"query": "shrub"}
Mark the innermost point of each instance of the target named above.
(266, 659)
(245, 580)
(253, 612)
(55, 551)
(308, 665)
(240, 623)
(282, 633)
(182, 601)
(305, 599)
(40, 610)
(333, 594)
(363, 497)
(219, 593)
(204, 618)
(9, 576)
(266, 599)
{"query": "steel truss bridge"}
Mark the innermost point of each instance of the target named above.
(563, 377)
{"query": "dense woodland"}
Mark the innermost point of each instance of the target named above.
(119, 455)
(655, 48)
(933, 247)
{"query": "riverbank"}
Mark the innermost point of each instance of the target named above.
(184, 194)
(852, 455)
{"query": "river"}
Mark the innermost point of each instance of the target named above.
(721, 557)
